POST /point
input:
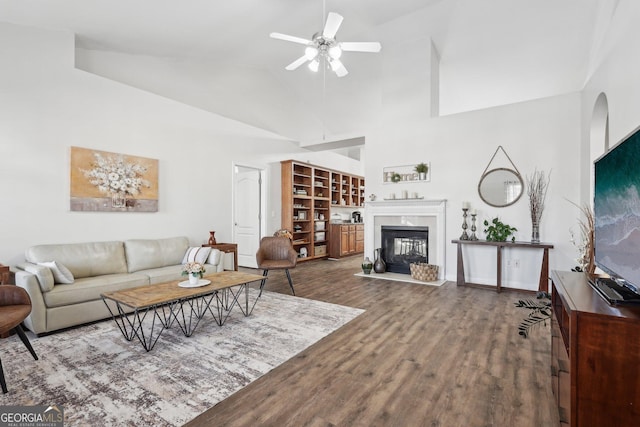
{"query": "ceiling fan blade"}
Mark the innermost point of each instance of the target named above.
(339, 68)
(289, 38)
(361, 46)
(331, 26)
(295, 64)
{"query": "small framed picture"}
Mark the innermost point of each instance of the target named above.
(302, 215)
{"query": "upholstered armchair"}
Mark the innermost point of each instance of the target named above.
(15, 306)
(276, 253)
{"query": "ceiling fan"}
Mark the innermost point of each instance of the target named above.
(324, 46)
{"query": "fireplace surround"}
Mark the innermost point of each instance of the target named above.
(399, 212)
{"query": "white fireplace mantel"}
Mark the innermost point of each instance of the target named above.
(407, 210)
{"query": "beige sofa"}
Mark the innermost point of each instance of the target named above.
(97, 267)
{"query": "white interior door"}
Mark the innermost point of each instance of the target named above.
(247, 214)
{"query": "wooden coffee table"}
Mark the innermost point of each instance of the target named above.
(165, 303)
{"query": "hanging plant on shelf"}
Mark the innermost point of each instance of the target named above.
(497, 231)
(422, 169)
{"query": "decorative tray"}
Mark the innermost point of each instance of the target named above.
(201, 282)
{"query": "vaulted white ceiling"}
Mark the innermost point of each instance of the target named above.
(218, 55)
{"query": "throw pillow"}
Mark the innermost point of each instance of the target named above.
(61, 274)
(45, 278)
(214, 257)
(197, 254)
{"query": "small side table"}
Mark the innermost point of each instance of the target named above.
(5, 275)
(227, 248)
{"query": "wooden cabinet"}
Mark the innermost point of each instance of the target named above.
(308, 192)
(346, 239)
(595, 355)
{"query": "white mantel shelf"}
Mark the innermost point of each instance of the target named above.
(435, 208)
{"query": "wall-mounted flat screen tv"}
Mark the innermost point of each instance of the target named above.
(617, 219)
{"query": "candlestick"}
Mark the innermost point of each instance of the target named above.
(464, 235)
(473, 226)
(465, 205)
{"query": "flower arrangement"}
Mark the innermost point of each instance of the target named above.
(193, 269)
(114, 175)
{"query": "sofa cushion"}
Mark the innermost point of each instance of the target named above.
(90, 288)
(44, 275)
(147, 254)
(61, 274)
(82, 259)
(215, 257)
(197, 254)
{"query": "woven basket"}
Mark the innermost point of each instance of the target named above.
(423, 271)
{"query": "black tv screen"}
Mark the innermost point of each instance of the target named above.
(617, 210)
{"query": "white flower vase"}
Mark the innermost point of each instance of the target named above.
(193, 279)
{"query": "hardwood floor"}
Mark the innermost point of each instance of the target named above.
(419, 356)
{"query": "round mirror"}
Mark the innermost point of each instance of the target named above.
(500, 187)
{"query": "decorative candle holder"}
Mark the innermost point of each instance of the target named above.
(464, 235)
(473, 227)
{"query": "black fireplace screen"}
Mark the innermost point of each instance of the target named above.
(402, 245)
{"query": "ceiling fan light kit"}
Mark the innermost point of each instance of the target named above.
(323, 46)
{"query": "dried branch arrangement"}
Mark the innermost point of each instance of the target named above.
(537, 187)
(586, 261)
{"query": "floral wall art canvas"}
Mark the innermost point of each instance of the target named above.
(112, 182)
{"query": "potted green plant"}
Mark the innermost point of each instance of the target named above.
(497, 231)
(422, 169)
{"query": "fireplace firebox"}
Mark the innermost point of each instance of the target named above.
(403, 245)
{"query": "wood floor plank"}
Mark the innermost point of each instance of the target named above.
(419, 356)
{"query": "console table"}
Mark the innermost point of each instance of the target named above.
(543, 285)
(227, 248)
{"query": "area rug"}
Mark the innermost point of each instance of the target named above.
(99, 378)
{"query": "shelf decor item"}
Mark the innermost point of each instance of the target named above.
(537, 187)
(422, 169)
(212, 238)
(367, 265)
(465, 208)
(473, 225)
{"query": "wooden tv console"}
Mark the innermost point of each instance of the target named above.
(595, 355)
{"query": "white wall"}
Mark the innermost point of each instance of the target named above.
(617, 77)
(46, 106)
(543, 134)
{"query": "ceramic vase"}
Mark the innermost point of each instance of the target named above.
(212, 238)
(367, 265)
(193, 279)
(379, 265)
